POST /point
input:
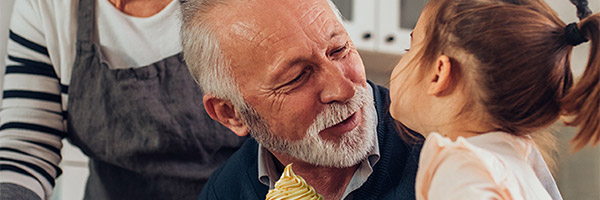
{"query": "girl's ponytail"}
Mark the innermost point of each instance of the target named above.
(582, 101)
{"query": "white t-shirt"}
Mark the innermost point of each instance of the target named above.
(129, 41)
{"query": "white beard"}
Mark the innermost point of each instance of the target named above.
(349, 150)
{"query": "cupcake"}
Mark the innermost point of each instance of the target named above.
(290, 186)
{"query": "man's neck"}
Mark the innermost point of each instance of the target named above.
(330, 182)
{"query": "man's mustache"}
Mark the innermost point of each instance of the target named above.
(336, 113)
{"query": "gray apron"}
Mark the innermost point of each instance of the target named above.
(145, 129)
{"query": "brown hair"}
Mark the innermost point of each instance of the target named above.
(520, 60)
(583, 100)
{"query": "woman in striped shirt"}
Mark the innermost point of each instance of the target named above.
(108, 76)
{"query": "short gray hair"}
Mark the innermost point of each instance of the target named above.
(202, 53)
(206, 62)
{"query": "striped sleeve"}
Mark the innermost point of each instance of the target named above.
(31, 120)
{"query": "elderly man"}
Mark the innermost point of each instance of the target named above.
(287, 73)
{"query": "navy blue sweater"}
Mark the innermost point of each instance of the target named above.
(393, 176)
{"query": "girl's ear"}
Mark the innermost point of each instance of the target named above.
(225, 113)
(441, 77)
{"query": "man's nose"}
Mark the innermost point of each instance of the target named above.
(337, 86)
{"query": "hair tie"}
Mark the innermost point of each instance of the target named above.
(582, 8)
(573, 35)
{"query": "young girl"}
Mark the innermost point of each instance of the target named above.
(480, 77)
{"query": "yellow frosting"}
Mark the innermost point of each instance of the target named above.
(290, 186)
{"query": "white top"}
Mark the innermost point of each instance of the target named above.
(489, 166)
(41, 53)
(128, 41)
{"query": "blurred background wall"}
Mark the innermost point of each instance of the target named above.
(380, 30)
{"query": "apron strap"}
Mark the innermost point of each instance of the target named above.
(86, 15)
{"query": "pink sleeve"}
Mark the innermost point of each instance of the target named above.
(454, 170)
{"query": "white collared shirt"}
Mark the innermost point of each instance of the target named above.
(268, 174)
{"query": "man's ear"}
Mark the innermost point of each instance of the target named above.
(441, 77)
(224, 112)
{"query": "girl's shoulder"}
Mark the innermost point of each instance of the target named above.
(480, 166)
(489, 150)
(462, 153)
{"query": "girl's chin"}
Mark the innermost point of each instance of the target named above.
(412, 127)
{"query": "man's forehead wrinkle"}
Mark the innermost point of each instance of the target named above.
(244, 30)
(328, 29)
(320, 26)
(287, 24)
(315, 13)
(317, 17)
(291, 38)
(301, 29)
(262, 38)
(272, 37)
(313, 7)
(249, 33)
